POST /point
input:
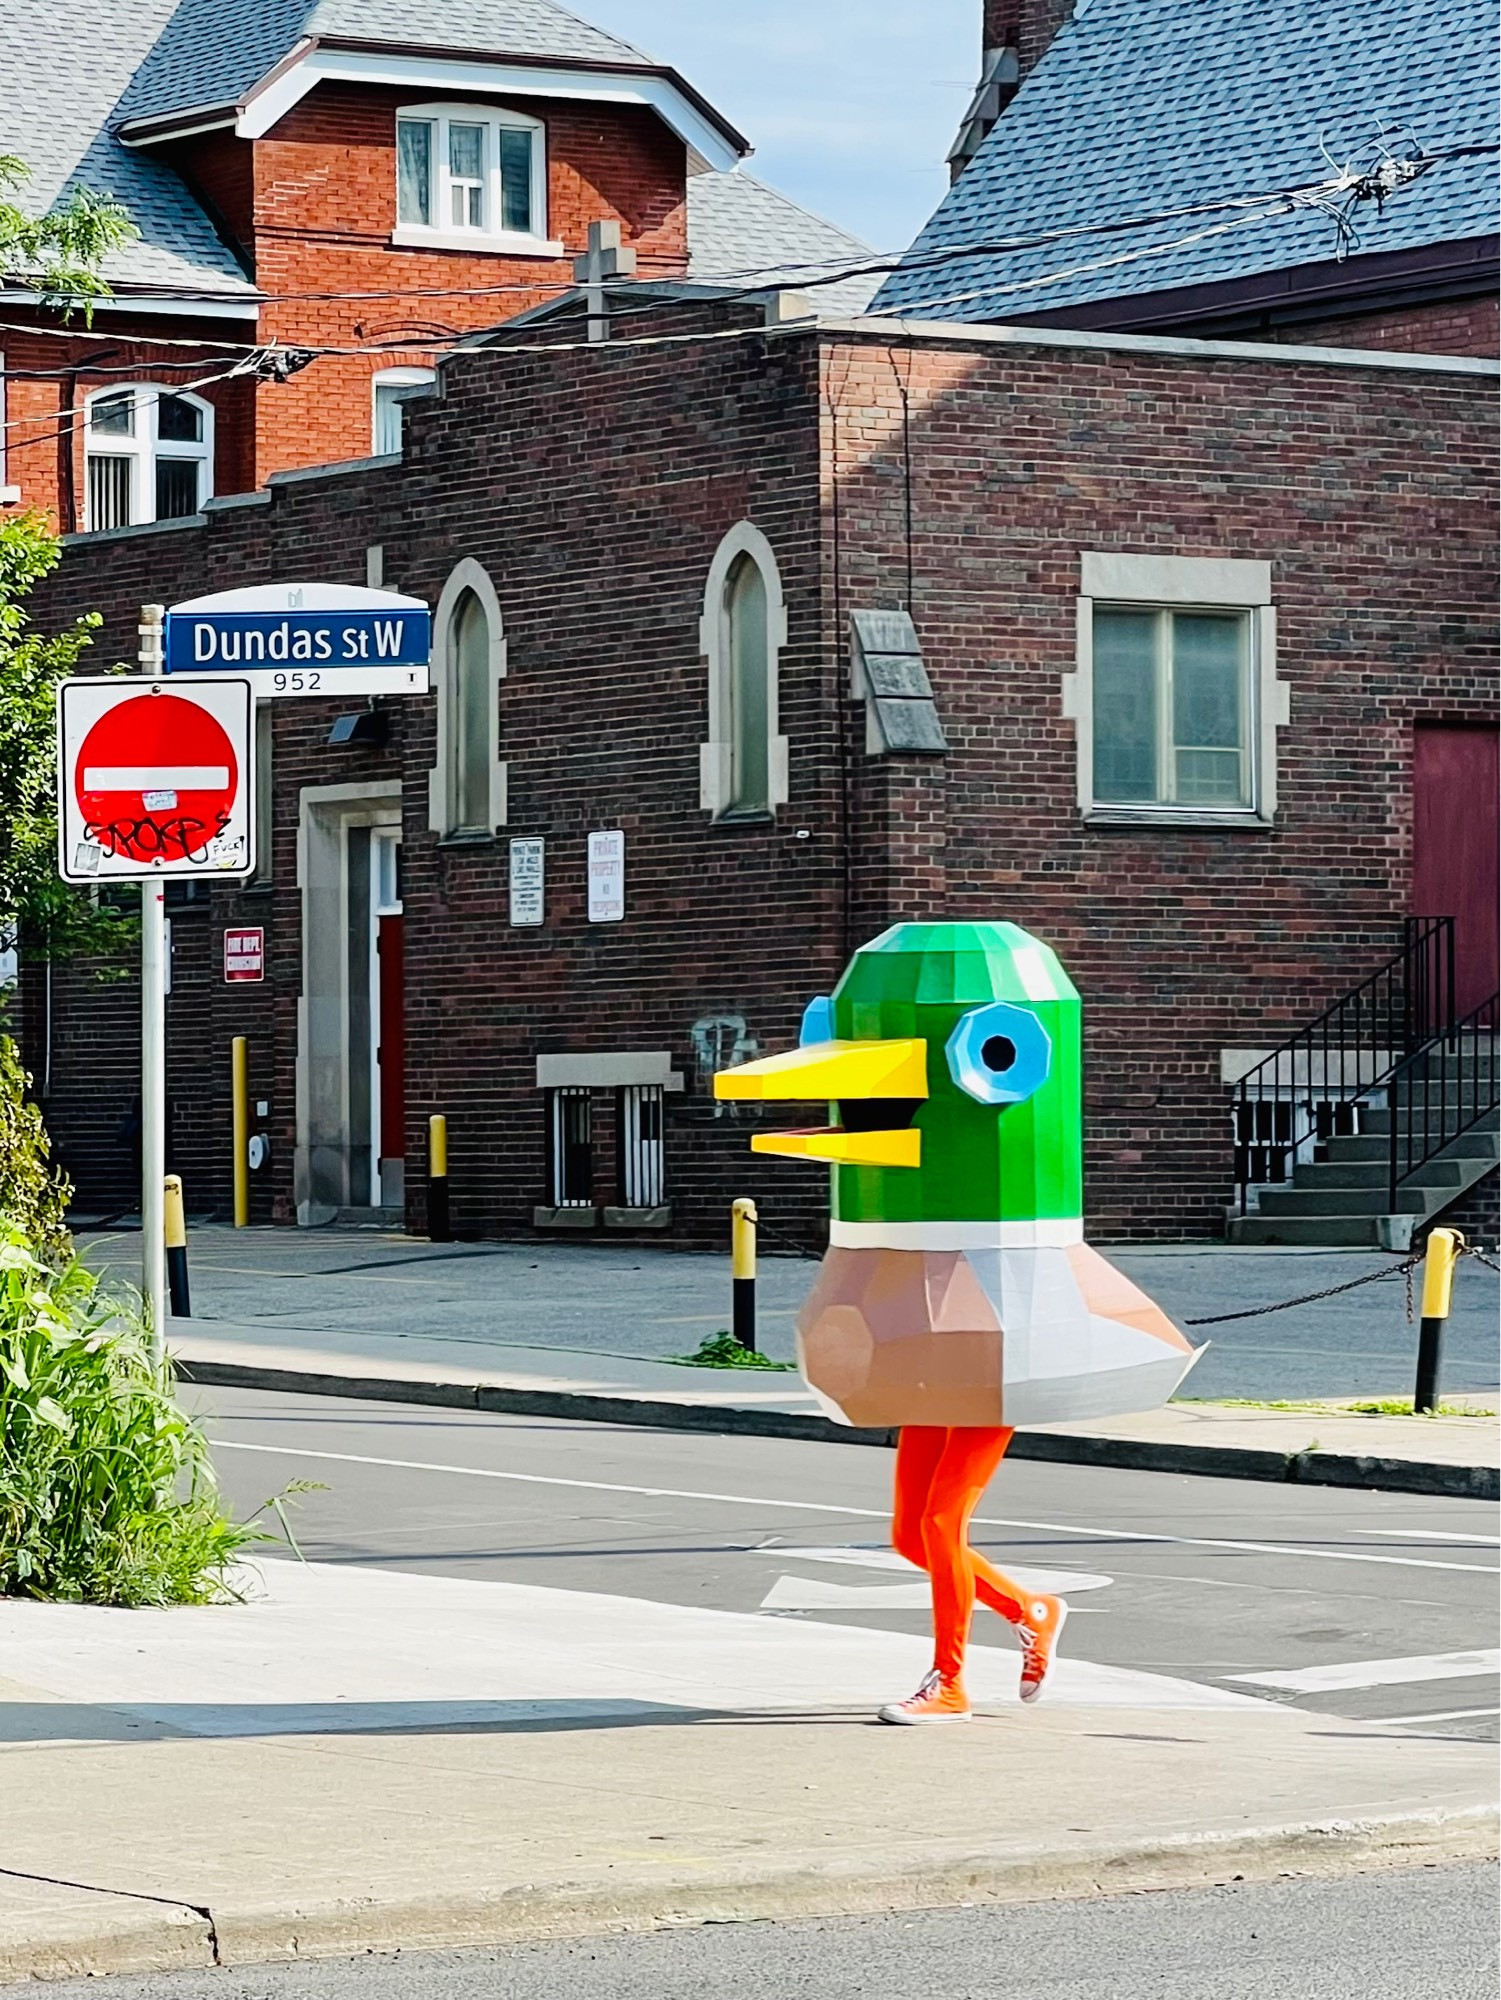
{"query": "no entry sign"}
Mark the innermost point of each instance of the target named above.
(154, 779)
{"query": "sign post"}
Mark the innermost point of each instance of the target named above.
(153, 1053)
(155, 782)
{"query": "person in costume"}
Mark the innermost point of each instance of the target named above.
(958, 1298)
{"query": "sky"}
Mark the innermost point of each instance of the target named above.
(851, 105)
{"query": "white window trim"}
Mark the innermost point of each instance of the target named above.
(1174, 583)
(142, 448)
(715, 782)
(443, 235)
(467, 575)
(394, 378)
(8, 494)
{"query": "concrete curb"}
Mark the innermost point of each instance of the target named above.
(807, 1887)
(1307, 1468)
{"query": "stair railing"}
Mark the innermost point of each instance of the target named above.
(1306, 1090)
(1440, 1092)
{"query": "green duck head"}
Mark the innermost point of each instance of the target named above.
(950, 1057)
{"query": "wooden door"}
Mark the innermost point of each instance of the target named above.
(1455, 776)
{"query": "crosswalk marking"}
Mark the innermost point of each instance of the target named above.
(1378, 1673)
(1065, 1582)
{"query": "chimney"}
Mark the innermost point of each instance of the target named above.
(1014, 37)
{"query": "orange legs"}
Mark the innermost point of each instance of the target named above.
(940, 1475)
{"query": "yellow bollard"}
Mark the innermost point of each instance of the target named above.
(439, 1224)
(175, 1231)
(743, 1271)
(1439, 1259)
(239, 1070)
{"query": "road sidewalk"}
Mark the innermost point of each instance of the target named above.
(333, 1766)
(1320, 1444)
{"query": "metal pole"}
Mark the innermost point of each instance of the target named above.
(153, 1052)
(743, 1272)
(1442, 1253)
(239, 1074)
(439, 1226)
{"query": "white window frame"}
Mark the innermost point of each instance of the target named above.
(1182, 583)
(441, 233)
(716, 756)
(8, 494)
(142, 448)
(465, 576)
(394, 378)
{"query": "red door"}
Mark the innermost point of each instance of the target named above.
(1455, 778)
(392, 1051)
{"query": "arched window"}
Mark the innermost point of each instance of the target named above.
(743, 766)
(149, 456)
(468, 782)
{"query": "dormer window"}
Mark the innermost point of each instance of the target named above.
(471, 178)
(150, 456)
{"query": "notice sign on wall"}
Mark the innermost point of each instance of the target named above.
(607, 877)
(244, 954)
(527, 882)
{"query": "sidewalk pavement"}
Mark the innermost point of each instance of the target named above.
(358, 1759)
(1325, 1444)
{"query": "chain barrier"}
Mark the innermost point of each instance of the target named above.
(1403, 1270)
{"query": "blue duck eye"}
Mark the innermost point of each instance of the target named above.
(818, 1022)
(999, 1054)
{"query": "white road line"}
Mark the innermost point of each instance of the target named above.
(1433, 1535)
(855, 1557)
(1444, 1715)
(864, 1513)
(1379, 1673)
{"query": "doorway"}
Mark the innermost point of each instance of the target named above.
(1454, 847)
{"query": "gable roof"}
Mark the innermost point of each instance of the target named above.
(79, 72)
(739, 228)
(1145, 105)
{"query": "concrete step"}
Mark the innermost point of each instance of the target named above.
(1377, 1120)
(1363, 1147)
(1335, 1232)
(1352, 1201)
(1324, 1175)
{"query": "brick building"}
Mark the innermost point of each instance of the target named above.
(1105, 174)
(1141, 643)
(328, 195)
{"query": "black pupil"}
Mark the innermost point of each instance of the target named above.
(998, 1053)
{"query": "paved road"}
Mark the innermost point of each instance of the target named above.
(1427, 1934)
(658, 1303)
(1365, 1605)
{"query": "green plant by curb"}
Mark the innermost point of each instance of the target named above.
(723, 1350)
(1391, 1406)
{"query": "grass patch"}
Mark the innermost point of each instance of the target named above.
(723, 1350)
(107, 1495)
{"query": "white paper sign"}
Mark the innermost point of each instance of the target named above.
(607, 877)
(527, 881)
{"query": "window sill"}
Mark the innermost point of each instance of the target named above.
(1177, 816)
(502, 243)
(638, 1218)
(565, 1218)
(9, 495)
(744, 816)
(468, 839)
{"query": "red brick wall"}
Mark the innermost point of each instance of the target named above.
(595, 487)
(1447, 326)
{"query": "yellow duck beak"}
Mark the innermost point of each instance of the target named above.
(837, 1072)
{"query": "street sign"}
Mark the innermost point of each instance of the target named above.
(528, 861)
(245, 954)
(154, 780)
(304, 639)
(607, 877)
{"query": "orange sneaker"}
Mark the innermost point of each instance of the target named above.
(1039, 1631)
(936, 1700)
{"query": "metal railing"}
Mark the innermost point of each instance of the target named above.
(1306, 1091)
(1441, 1092)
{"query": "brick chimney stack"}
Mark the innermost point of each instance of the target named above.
(1014, 37)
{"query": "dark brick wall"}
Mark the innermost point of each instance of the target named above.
(1444, 326)
(595, 487)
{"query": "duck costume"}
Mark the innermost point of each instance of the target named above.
(958, 1298)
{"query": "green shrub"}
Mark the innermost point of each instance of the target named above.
(107, 1495)
(34, 1195)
